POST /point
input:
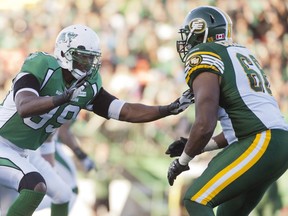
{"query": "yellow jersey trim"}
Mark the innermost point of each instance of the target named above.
(233, 171)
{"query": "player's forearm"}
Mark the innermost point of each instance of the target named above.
(29, 104)
(140, 113)
(200, 134)
(198, 138)
(197, 142)
(67, 137)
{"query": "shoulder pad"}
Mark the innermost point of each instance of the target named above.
(203, 58)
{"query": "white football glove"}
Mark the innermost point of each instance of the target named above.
(183, 102)
(77, 92)
(76, 89)
(71, 93)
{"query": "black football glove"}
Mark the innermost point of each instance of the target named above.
(174, 170)
(176, 148)
(178, 105)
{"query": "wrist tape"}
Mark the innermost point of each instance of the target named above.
(184, 159)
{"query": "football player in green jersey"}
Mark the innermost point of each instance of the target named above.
(48, 91)
(230, 86)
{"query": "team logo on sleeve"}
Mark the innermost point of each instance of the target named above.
(195, 60)
(203, 61)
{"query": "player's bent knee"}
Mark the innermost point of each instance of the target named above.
(41, 187)
(33, 181)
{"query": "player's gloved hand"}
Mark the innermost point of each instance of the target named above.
(184, 101)
(178, 105)
(176, 148)
(71, 93)
(75, 90)
(87, 163)
(174, 170)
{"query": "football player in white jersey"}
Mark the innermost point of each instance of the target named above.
(48, 91)
(230, 86)
(55, 152)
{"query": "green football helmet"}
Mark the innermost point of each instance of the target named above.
(203, 24)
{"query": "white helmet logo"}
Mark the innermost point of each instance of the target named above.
(67, 37)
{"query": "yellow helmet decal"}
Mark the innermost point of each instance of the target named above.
(228, 24)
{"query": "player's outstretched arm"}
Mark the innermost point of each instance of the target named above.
(136, 112)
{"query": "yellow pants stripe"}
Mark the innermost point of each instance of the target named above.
(235, 169)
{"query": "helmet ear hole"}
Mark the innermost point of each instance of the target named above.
(62, 54)
(212, 19)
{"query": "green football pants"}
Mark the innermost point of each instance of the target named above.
(237, 177)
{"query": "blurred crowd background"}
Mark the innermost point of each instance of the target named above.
(140, 64)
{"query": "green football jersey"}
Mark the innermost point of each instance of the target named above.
(30, 133)
(245, 92)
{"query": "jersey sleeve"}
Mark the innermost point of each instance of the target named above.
(202, 59)
(37, 65)
(26, 82)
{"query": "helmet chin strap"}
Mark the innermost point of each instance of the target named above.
(192, 31)
(189, 35)
(78, 74)
(205, 35)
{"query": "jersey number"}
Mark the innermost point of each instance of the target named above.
(37, 122)
(256, 76)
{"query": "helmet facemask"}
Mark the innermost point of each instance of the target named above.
(191, 37)
(203, 24)
(84, 62)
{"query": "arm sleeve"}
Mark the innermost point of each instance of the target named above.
(115, 109)
(28, 82)
(101, 103)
